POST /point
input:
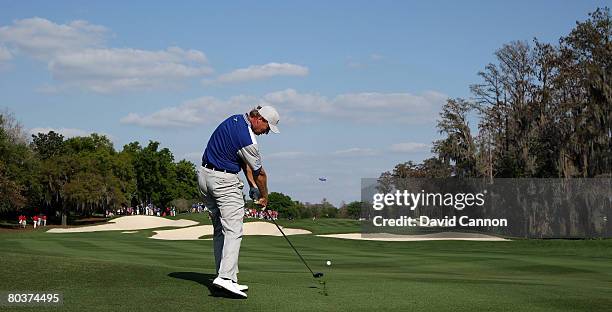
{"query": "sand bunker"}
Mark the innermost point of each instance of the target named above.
(265, 228)
(249, 228)
(129, 232)
(190, 233)
(129, 223)
(420, 237)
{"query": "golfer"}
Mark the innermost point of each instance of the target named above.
(233, 147)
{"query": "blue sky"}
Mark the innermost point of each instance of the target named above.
(358, 83)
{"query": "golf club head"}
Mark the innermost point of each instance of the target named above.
(317, 275)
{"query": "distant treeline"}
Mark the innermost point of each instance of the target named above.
(80, 176)
(288, 208)
(543, 111)
(83, 175)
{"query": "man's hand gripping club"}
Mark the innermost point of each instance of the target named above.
(259, 189)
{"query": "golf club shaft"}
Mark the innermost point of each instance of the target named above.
(288, 241)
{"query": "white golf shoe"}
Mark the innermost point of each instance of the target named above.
(230, 286)
(241, 287)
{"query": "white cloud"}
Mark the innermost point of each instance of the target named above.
(257, 72)
(204, 110)
(410, 147)
(356, 152)
(295, 106)
(369, 107)
(107, 70)
(44, 39)
(76, 56)
(291, 100)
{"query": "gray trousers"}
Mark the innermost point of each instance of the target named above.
(223, 198)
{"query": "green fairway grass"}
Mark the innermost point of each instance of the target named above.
(111, 271)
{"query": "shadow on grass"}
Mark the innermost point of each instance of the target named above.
(204, 280)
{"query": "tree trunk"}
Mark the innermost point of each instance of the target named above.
(64, 217)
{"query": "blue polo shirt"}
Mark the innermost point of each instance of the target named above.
(231, 143)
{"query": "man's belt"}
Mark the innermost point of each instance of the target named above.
(211, 167)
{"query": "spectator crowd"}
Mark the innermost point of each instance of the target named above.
(148, 210)
(36, 220)
(262, 215)
(40, 219)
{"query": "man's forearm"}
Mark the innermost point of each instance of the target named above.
(248, 172)
(262, 183)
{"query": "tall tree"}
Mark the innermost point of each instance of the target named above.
(155, 174)
(354, 209)
(18, 166)
(186, 180)
(47, 145)
(283, 204)
(588, 51)
(458, 147)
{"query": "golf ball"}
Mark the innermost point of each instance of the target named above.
(328, 263)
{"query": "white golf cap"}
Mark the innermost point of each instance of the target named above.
(271, 115)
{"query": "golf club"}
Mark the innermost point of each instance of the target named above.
(314, 274)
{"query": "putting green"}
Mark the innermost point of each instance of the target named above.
(111, 271)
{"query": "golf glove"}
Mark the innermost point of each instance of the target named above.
(254, 193)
